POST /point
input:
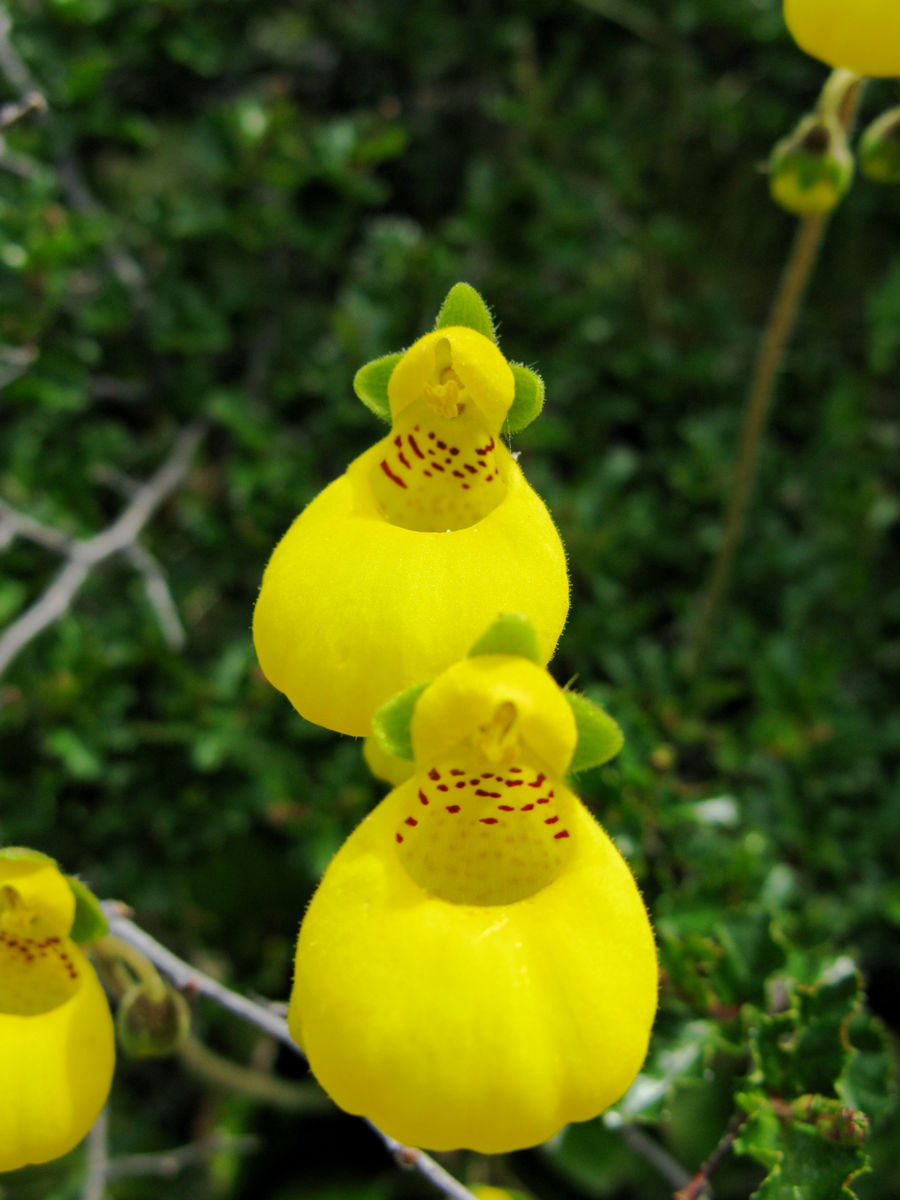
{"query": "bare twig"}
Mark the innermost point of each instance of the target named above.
(15, 524)
(71, 182)
(96, 1164)
(83, 555)
(158, 595)
(698, 1188)
(169, 1163)
(189, 979)
(32, 101)
(766, 372)
(14, 362)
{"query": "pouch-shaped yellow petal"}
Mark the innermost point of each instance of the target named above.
(56, 1048)
(34, 891)
(354, 609)
(479, 1026)
(861, 36)
(509, 704)
(454, 366)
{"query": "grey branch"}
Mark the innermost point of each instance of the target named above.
(73, 186)
(83, 555)
(168, 1163)
(97, 1163)
(188, 979)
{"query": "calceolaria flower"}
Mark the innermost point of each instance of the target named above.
(392, 571)
(56, 1033)
(858, 35)
(477, 968)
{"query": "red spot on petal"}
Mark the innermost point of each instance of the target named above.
(514, 770)
(514, 782)
(403, 459)
(458, 474)
(434, 773)
(431, 433)
(482, 792)
(415, 446)
(527, 807)
(562, 833)
(390, 474)
(398, 440)
(457, 771)
(461, 783)
(488, 820)
(537, 782)
(544, 800)
(443, 787)
(454, 449)
(506, 808)
(399, 838)
(437, 466)
(472, 470)
(442, 445)
(454, 808)
(551, 820)
(410, 821)
(423, 797)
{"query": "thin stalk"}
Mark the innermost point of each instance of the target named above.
(767, 369)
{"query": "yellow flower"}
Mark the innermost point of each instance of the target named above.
(477, 967)
(861, 36)
(56, 1034)
(392, 571)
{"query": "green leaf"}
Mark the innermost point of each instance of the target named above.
(463, 306)
(390, 724)
(371, 384)
(528, 399)
(599, 737)
(805, 1049)
(90, 924)
(512, 634)
(805, 1161)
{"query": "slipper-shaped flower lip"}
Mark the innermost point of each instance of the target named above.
(859, 35)
(56, 1034)
(390, 573)
(477, 967)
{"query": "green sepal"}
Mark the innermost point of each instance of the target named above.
(90, 923)
(390, 724)
(528, 399)
(510, 634)
(599, 737)
(371, 384)
(463, 306)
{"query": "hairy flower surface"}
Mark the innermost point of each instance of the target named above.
(862, 36)
(56, 1034)
(477, 967)
(392, 571)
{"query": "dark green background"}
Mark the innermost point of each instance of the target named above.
(299, 185)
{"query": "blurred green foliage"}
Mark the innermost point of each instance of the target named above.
(226, 209)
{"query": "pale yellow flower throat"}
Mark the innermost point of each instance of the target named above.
(37, 973)
(439, 469)
(487, 826)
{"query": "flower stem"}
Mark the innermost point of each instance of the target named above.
(769, 361)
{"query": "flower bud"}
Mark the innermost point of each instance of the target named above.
(151, 1022)
(879, 148)
(811, 170)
